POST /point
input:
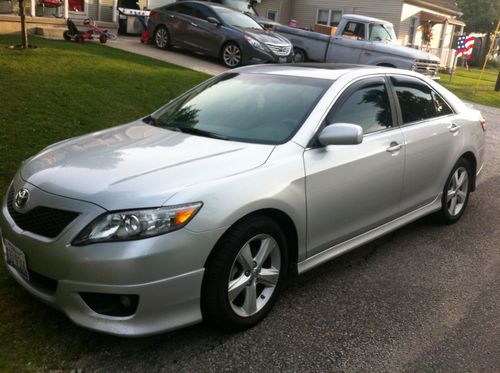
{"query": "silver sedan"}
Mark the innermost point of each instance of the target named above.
(205, 208)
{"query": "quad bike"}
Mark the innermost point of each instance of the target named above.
(95, 32)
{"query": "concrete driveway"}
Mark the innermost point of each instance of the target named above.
(175, 56)
(425, 298)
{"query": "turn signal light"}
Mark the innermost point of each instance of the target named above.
(152, 14)
(184, 215)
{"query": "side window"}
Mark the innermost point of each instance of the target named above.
(186, 9)
(354, 31)
(368, 107)
(203, 12)
(415, 99)
(442, 108)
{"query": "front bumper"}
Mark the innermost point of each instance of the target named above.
(253, 56)
(165, 272)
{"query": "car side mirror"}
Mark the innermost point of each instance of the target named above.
(213, 21)
(341, 134)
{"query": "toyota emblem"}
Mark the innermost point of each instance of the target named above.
(22, 198)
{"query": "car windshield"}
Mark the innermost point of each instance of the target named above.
(237, 19)
(258, 108)
(384, 33)
(240, 5)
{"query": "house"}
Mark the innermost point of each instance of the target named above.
(424, 24)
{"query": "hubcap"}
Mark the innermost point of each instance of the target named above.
(254, 275)
(457, 191)
(232, 55)
(161, 38)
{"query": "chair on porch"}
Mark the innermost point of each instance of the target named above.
(51, 4)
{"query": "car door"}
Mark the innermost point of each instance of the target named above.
(179, 17)
(347, 47)
(432, 140)
(353, 188)
(205, 36)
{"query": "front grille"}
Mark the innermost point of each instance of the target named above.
(280, 50)
(41, 220)
(426, 67)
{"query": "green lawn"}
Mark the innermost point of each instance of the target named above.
(463, 84)
(58, 91)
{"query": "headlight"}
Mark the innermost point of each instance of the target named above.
(254, 43)
(134, 225)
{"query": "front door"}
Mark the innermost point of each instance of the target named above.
(347, 47)
(353, 188)
(76, 6)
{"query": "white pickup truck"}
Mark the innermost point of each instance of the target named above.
(359, 40)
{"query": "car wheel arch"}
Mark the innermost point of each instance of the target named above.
(471, 158)
(285, 222)
(385, 64)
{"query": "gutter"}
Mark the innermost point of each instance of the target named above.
(429, 5)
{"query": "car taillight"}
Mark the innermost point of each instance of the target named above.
(152, 14)
(482, 122)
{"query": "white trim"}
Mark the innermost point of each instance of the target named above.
(276, 14)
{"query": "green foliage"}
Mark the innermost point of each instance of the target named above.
(57, 91)
(480, 15)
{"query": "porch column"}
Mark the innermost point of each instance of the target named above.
(33, 8)
(115, 11)
(66, 9)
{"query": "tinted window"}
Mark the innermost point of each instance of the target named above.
(368, 107)
(203, 12)
(246, 107)
(183, 9)
(442, 107)
(415, 99)
(237, 19)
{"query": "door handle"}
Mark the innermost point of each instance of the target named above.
(171, 16)
(454, 128)
(194, 24)
(394, 147)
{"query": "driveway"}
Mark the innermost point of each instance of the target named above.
(423, 298)
(175, 56)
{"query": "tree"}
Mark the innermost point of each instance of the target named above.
(24, 33)
(480, 15)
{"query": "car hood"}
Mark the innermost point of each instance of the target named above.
(266, 36)
(399, 50)
(137, 165)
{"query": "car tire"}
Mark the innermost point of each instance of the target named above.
(245, 274)
(231, 55)
(299, 55)
(456, 193)
(162, 38)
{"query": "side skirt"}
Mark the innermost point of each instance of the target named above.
(366, 237)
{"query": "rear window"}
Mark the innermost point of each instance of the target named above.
(259, 108)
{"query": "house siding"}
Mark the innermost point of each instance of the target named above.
(306, 10)
(284, 8)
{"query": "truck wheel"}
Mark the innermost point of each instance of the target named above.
(299, 55)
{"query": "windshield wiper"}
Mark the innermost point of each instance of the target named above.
(197, 132)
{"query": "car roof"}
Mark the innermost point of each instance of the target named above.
(360, 18)
(209, 4)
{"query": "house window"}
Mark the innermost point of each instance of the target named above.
(413, 29)
(329, 17)
(272, 15)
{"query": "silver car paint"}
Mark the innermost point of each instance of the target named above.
(233, 180)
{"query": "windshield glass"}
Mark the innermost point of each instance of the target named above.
(384, 33)
(237, 19)
(258, 108)
(241, 5)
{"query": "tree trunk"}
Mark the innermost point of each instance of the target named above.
(497, 86)
(24, 33)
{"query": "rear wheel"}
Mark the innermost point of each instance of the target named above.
(245, 274)
(456, 193)
(162, 38)
(103, 39)
(66, 35)
(231, 55)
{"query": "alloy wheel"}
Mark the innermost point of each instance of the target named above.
(254, 275)
(161, 38)
(457, 191)
(231, 55)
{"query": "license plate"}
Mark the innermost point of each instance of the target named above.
(16, 259)
(282, 60)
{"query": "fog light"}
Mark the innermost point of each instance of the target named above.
(118, 305)
(125, 301)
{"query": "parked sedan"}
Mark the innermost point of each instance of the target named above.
(217, 31)
(204, 208)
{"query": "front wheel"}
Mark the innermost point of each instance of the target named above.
(162, 38)
(66, 35)
(103, 38)
(231, 55)
(245, 274)
(299, 55)
(456, 193)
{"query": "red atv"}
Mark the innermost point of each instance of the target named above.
(72, 33)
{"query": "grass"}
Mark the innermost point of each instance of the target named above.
(463, 84)
(58, 91)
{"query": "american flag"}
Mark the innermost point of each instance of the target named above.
(464, 46)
